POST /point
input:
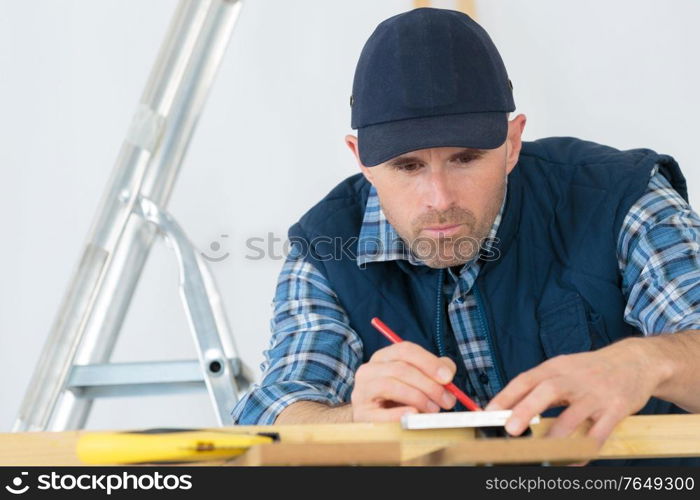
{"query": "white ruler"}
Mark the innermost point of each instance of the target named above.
(458, 419)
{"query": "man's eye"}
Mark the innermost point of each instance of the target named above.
(407, 167)
(465, 159)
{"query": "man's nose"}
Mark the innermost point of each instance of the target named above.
(440, 195)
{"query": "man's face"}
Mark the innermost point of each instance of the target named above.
(443, 201)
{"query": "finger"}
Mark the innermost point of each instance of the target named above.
(414, 377)
(517, 389)
(544, 395)
(440, 369)
(394, 390)
(604, 426)
(388, 414)
(570, 419)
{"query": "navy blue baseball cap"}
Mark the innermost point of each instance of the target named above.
(429, 78)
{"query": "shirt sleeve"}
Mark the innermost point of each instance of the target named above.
(659, 260)
(313, 352)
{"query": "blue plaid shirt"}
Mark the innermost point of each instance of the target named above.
(314, 353)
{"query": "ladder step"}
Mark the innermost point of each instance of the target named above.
(141, 378)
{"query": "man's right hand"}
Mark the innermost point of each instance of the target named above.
(399, 379)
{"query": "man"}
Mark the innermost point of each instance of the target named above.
(557, 276)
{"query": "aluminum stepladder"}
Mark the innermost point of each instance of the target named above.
(73, 368)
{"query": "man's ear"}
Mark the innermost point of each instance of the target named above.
(351, 142)
(514, 141)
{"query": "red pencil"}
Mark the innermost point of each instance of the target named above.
(393, 337)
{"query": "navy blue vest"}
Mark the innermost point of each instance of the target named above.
(555, 287)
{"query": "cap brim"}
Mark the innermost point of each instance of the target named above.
(384, 141)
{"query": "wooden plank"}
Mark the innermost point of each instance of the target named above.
(468, 7)
(58, 448)
(342, 433)
(634, 437)
(327, 454)
(646, 436)
(39, 448)
(474, 452)
(511, 451)
(414, 442)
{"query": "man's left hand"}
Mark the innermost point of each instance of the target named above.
(602, 386)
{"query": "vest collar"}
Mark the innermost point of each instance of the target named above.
(378, 240)
(509, 224)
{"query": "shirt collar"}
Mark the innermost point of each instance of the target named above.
(379, 241)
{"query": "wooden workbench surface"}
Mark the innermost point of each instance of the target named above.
(634, 437)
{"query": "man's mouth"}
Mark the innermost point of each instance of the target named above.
(446, 230)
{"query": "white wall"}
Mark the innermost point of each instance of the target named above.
(270, 143)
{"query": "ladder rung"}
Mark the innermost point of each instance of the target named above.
(142, 378)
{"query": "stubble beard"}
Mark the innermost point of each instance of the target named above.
(446, 251)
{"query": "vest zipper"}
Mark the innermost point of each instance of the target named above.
(438, 325)
(485, 331)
